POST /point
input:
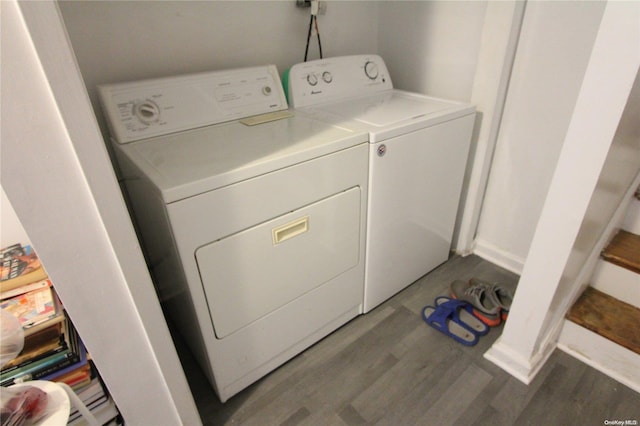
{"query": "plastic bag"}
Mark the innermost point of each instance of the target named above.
(11, 338)
(22, 406)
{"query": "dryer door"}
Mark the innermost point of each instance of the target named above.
(251, 273)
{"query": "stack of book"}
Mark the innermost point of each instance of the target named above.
(52, 348)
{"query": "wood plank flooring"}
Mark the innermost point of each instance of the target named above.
(389, 368)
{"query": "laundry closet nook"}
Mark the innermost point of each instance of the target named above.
(551, 115)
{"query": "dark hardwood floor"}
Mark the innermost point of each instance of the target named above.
(389, 368)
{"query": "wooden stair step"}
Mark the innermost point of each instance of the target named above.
(624, 251)
(609, 317)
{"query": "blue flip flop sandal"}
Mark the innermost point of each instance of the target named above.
(445, 320)
(465, 314)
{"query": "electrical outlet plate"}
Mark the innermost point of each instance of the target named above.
(322, 5)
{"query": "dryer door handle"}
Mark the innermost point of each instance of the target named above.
(290, 230)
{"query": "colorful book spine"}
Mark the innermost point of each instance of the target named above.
(33, 307)
(19, 265)
(39, 369)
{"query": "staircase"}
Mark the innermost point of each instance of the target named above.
(603, 326)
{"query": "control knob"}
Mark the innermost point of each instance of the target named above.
(371, 70)
(312, 79)
(147, 111)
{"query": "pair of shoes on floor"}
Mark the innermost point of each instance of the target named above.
(491, 301)
(455, 318)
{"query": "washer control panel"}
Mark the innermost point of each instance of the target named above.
(333, 79)
(143, 109)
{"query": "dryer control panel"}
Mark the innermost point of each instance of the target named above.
(142, 109)
(334, 79)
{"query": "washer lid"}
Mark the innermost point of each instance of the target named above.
(189, 163)
(389, 108)
(393, 112)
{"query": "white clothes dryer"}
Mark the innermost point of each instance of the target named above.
(417, 155)
(252, 219)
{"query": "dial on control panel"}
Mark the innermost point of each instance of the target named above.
(371, 70)
(147, 111)
(312, 79)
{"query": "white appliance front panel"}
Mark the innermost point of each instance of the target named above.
(237, 360)
(254, 272)
(142, 109)
(414, 191)
(187, 163)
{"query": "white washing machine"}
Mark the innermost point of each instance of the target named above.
(253, 228)
(417, 157)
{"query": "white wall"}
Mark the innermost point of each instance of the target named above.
(11, 229)
(56, 173)
(432, 47)
(554, 47)
(499, 41)
(128, 40)
(598, 162)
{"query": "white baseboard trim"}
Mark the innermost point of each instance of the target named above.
(498, 256)
(602, 354)
(511, 361)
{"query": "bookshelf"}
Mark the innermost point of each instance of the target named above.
(52, 350)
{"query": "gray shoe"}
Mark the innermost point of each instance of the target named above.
(479, 296)
(500, 293)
